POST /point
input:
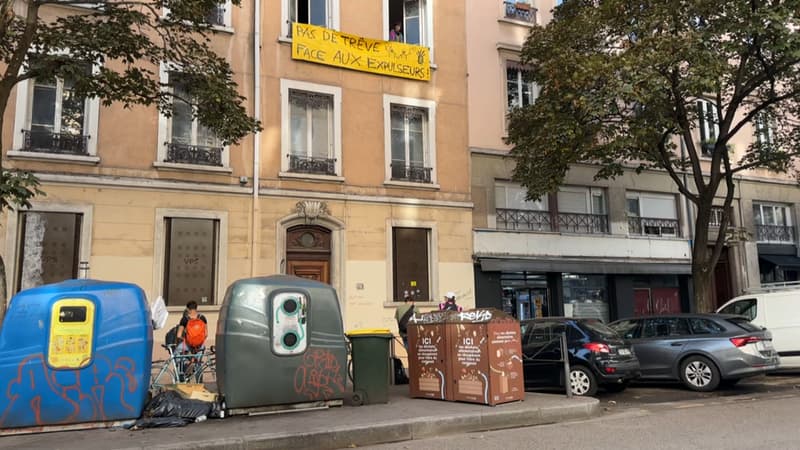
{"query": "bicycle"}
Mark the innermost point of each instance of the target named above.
(182, 367)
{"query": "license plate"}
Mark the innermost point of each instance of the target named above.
(624, 351)
(764, 345)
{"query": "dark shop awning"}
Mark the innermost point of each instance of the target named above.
(598, 266)
(781, 260)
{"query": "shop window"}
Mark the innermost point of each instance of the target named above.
(410, 263)
(585, 296)
(49, 248)
(191, 260)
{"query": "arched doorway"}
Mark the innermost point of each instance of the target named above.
(308, 252)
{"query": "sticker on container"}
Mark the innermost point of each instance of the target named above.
(71, 334)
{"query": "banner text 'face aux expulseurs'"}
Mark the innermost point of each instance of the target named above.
(324, 46)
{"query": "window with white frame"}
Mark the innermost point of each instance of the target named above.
(715, 219)
(218, 16)
(182, 138)
(311, 128)
(708, 124)
(191, 258)
(514, 212)
(414, 20)
(324, 13)
(773, 223)
(411, 150)
(519, 90)
(49, 247)
(512, 196)
(582, 210)
(652, 214)
(764, 133)
(52, 119)
(411, 249)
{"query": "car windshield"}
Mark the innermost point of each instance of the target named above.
(743, 323)
(598, 329)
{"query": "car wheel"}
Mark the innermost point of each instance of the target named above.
(582, 382)
(616, 387)
(699, 374)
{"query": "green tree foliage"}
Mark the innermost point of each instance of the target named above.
(127, 40)
(620, 83)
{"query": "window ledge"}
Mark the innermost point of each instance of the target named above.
(312, 177)
(408, 184)
(191, 167)
(221, 29)
(54, 157)
(284, 40)
(516, 22)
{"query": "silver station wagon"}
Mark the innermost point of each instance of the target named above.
(700, 350)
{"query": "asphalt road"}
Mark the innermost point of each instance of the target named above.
(759, 413)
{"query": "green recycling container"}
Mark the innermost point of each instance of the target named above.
(371, 359)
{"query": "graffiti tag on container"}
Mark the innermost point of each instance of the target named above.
(320, 375)
(477, 315)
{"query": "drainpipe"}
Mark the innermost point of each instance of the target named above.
(254, 208)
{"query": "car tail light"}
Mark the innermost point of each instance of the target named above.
(742, 341)
(610, 369)
(597, 347)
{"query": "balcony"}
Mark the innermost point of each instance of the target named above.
(649, 226)
(312, 165)
(778, 234)
(582, 223)
(194, 154)
(523, 12)
(523, 220)
(42, 141)
(413, 173)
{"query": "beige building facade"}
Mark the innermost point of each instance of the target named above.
(360, 180)
(598, 248)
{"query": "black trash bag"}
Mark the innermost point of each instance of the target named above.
(400, 376)
(171, 404)
(161, 422)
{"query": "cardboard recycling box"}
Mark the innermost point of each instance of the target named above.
(470, 356)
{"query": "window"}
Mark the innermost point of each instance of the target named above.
(512, 196)
(219, 16)
(324, 13)
(585, 296)
(411, 262)
(311, 117)
(665, 327)
(513, 212)
(764, 127)
(521, 10)
(190, 269)
(708, 123)
(773, 223)
(652, 214)
(52, 119)
(411, 139)
(715, 220)
(520, 92)
(582, 210)
(414, 18)
(182, 138)
(747, 308)
(49, 247)
(627, 329)
(705, 326)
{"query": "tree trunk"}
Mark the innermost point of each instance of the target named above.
(702, 277)
(702, 262)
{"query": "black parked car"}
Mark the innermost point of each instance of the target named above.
(700, 350)
(597, 355)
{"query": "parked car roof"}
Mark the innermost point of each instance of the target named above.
(681, 315)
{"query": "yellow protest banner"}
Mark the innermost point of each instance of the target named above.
(324, 46)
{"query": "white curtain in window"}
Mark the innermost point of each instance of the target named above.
(658, 207)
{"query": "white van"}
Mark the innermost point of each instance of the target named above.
(779, 312)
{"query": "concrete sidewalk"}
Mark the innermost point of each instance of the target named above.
(401, 419)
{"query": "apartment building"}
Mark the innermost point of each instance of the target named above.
(605, 248)
(359, 178)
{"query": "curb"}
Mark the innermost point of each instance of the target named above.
(397, 431)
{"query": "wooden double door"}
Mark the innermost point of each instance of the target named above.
(308, 252)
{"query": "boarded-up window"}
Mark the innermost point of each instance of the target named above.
(191, 258)
(410, 247)
(49, 248)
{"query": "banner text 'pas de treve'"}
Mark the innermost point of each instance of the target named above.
(324, 46)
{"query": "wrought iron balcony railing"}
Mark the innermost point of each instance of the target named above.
(524, 220)
(311, 164)
(520, 11)
(410, 172)
(582, 223)
(650, 226)
(194, 154)
(775, 233)
(60, 143)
